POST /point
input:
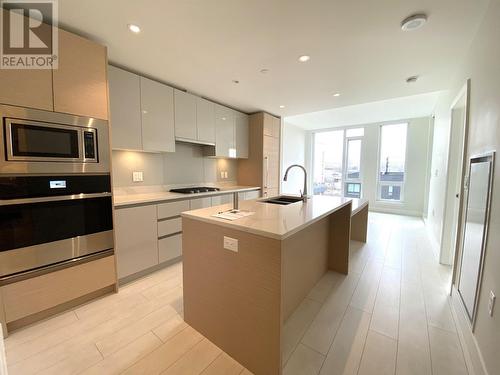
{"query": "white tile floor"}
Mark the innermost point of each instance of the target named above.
(390, 315)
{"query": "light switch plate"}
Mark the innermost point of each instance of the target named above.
(137, 177)
(491, 303)
(231, 244)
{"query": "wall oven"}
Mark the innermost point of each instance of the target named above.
(55, 192)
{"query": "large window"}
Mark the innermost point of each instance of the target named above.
(337, 162)
(392, 159)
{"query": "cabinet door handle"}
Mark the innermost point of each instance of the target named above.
(266, 159)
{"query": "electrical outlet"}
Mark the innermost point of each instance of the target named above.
(231, 244)
(225, 174)
(137, 177)
(491, 303)
(221, 174)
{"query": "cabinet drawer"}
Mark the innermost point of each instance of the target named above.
(169, 226)
(170, 248)
(252, 195)
(200, 203)
(172, 209)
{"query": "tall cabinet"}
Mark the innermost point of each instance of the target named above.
(263, 163)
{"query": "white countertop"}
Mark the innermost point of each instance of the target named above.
(161, 196)
(277, 221)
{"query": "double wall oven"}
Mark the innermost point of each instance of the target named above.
(55, 192)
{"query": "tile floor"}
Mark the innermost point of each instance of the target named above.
(390, 315)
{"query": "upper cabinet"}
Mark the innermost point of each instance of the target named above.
(224, 132)
(27, 88)
(272, 126)
(157, 112)
(205, 121)
(79, 82)
(185, 115)
(125, 109)
(241, 135)
(142, 113)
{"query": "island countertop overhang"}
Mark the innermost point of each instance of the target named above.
(277, 221)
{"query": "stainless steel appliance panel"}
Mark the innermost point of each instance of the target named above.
(96, 162)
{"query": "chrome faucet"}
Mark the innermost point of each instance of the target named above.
(303, 193)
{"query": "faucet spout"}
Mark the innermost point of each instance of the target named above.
(303, 193)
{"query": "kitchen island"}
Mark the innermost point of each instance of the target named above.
(244, 278)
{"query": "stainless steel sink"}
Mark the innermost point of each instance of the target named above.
(283, 200)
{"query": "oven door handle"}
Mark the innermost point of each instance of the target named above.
(10, 202)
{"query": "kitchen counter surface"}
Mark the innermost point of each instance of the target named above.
(277, 221)
(162, 196)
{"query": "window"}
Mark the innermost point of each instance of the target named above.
(337, 162)
(392, 159)
(328, 162)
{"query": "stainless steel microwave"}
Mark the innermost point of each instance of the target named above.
(41, 142)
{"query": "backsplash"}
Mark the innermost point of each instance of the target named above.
(186, 166)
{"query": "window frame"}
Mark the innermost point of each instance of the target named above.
(344, 155)
(380, 183)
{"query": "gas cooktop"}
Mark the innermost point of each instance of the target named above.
(193, 190)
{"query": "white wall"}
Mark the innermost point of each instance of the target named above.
(186, 166)
(293, 152)
(482, 67)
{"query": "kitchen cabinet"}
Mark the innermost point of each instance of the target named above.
(263, 164)
(185, 115)
(125, 109)
(200, 203)
(142, 113)
(172, 209)
(169, 226)
(80, 81)
(170, 248)
(222, 199)
(241, 135)
(27, 88)
(224, 132)
(205, 121)
(136, 239)
(157, 116)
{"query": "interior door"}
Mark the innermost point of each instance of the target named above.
(475, 231)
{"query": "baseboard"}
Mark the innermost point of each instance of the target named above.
(396, 211)
(473, 358)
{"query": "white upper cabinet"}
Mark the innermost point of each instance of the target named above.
(157, 112)
(205, 121)
(185, 115)
(241, 135)
(125, 109)
(224, 132)
(142, 112)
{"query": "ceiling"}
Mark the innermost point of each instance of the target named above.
(357, 47)
(415, 106)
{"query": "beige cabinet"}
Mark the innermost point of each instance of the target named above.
(200, 203)
(80, 81)
(241, 135)
(27, 88)
(125, 109)
(157, 116)
(136, 239)
(205, 121)
(170, 248)
(270, 176)
(263, 163)
(185, 115)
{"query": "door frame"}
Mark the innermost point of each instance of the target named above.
(461, 167)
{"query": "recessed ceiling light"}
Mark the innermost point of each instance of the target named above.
(264, 71)
(134, 28)
(282, 106)
(414, 22)
(412, 79)
(236, 81)
(336, 94)
(304, 58)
